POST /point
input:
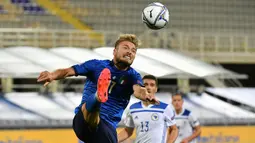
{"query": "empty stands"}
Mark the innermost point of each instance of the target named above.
(244, 96)
(40, 105)
(196, 15)
(13, 112)
(216, 105)
(157, 64)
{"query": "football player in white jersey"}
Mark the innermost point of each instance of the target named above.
(188, 125)
(153, 123)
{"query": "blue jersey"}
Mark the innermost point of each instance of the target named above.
(120, 89)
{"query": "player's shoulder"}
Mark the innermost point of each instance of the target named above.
(96, 61)
(136, 105)
(161, 105)
(102, 61)
(99, 63)
(134, 75)
(186, 112)
(133, 71)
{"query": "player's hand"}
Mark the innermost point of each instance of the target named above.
(185, 141)
(46, 77)
(147, 96)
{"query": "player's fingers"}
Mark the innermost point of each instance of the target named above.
(40, 78)
(46, 83)
(42, 75)
(155, 101)
(148, 98)
(44, 78)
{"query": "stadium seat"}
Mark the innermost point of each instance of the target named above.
(41, 105)
(221, 107)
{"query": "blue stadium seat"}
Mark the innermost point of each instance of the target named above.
(29, 7)
(2, 9)
(33, 9)
(20, 1)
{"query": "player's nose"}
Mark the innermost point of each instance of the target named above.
(129, 52)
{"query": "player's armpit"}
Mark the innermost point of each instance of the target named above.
(172, 134)
(125, 134)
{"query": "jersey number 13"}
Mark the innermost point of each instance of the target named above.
(145, 126)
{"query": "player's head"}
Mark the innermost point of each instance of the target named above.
(177, 101)
(151, 83)
(125, 50)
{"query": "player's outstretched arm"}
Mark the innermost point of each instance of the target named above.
(142, 94)
(48, 77)
(172, 134)
(125, 134)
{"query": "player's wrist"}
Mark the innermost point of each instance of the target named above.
(51, 76)
(188, 139)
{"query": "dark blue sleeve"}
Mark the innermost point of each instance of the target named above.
(85, 68)
(137, 79)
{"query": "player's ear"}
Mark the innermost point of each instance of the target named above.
(115, 50)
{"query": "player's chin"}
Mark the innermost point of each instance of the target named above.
(127, 62)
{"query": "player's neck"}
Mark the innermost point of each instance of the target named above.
(145, 103)
(120, 66)
(178, 111)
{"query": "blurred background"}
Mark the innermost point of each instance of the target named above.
(206, 52)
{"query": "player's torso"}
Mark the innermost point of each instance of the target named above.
(184, 127)
(150, 125)
(121, 81)
(119, 91)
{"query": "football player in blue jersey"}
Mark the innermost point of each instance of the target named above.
(107, 91)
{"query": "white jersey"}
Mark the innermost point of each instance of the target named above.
(151, 122)
(185, 122)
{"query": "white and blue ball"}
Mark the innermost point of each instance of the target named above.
(155, 16)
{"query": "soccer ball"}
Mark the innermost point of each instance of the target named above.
(155, 15)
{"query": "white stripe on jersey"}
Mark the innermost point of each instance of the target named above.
(146, 110)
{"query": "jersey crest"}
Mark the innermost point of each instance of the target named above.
(154, 117)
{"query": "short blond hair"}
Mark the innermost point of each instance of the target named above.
(128, 37)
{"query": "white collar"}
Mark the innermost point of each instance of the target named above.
(180, 112)
(149, 106)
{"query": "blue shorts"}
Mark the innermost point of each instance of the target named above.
(105, 133)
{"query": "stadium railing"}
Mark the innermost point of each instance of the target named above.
(43, 38)
(183, 41)
(217, 47)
